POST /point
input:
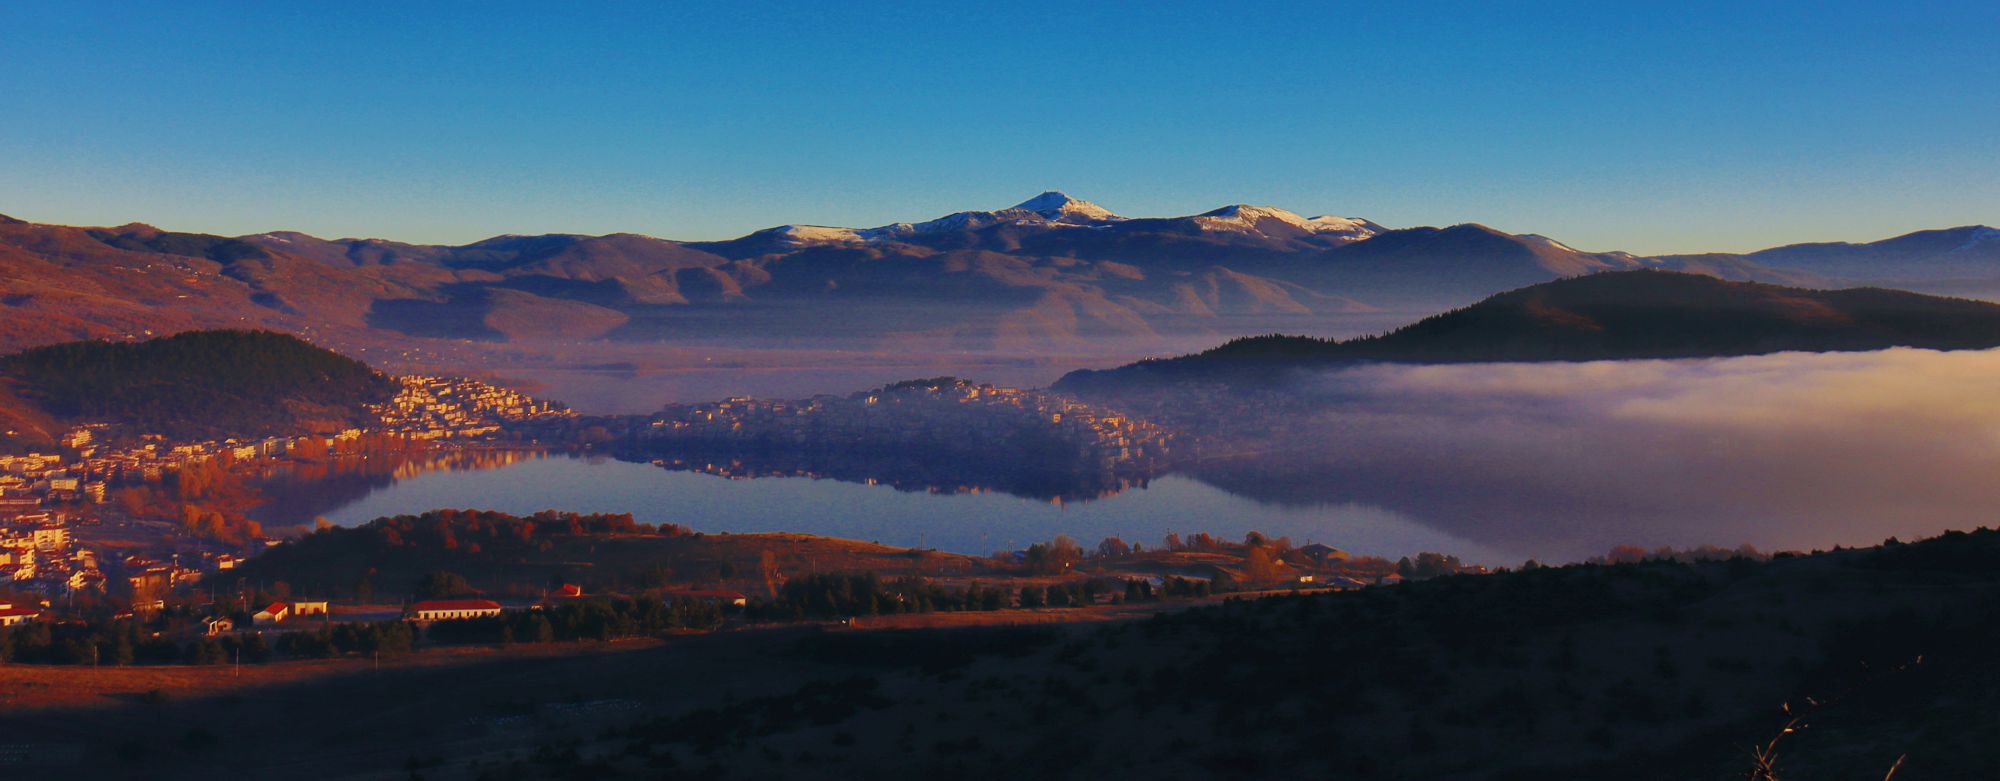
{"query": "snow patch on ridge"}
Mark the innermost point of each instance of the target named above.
(1055, 205)
(813, 234)
(1243, 218)
(1549, 243)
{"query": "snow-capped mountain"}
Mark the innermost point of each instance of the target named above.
(1054, 209)
(1058, 207)
(1246, 218)
(1048, 209)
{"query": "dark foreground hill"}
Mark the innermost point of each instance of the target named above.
(1639, 671)
(199, 384)
(1654, 670)
(1609, 316)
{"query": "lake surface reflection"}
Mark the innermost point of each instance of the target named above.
(976, 523)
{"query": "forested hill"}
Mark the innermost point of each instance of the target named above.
(1619, 315)
(200, 384)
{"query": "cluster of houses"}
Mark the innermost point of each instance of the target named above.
(43, 495)
(38, 554)
(49, 479)
(976, 417)
(424, 408)
(26, 481)
(446, 407)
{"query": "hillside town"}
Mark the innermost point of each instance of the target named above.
(446, 407)
(995, 422)
(47, 498)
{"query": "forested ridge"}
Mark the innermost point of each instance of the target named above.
(200, 384)
(1608, 316)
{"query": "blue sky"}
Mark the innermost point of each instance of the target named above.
(1682, 127)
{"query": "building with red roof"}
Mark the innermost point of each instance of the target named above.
(271, 614)
(11, 615)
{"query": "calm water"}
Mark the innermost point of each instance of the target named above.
(963, 523)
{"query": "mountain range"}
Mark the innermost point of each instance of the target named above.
(1052, 273)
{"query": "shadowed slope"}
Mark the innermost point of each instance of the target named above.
(1640, 314)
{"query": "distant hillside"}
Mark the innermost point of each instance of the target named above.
(1949, 259)
(199, 384)
(24, 427)
(1624, 315)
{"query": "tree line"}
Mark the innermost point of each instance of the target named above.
(601, 620)
(134, 641)
(838, 594)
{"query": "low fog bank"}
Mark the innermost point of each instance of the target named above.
(1565, 460)
(813, 355)
(636, 378)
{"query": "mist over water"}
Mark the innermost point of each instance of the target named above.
(1782, 451)
(636, 377)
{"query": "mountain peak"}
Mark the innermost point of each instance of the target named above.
(1250, 212)
(1243, 217)
(1056, 205)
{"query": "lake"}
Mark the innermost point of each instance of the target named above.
(1493, 463)
(974, 523)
